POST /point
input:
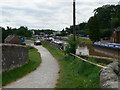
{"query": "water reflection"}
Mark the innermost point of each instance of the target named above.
(98, 51)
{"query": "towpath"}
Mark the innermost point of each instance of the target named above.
(45, 76)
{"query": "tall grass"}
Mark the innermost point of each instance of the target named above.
(74, 73)
(87, 41)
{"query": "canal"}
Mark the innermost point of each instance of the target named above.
(91, 50)
(98, 51)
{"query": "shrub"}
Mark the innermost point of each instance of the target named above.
(72, 45)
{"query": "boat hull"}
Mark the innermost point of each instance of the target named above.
(108, 45)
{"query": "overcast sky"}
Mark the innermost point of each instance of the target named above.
(46, 14)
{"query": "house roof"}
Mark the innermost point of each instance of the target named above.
(10, 37)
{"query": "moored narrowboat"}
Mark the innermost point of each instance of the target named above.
(108, 45)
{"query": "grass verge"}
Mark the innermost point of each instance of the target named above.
(74, 73)
(34, 62)
(82, 40)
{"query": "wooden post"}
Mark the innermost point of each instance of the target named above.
(74, 24)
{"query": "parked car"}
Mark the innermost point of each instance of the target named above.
(37, 42)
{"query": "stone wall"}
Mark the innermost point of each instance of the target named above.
(13, 56)
(110, 76)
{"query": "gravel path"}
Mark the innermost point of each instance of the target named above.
(45, 76)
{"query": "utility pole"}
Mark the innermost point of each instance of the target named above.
(74, 24)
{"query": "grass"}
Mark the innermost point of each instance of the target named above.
(30, 38)
(87, 41)
(74, 73)
(82, 40)
(34, 62)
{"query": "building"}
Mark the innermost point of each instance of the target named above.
(115, 38)
(12, 39)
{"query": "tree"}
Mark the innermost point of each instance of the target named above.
(118, 13)
(4, 35)
(115, 22)
(104, 15)
(63, 33)
(72, 45)
(23, 31)
(94, 31)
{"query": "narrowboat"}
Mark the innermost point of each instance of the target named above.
(108, 45)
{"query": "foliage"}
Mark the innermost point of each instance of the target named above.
(72, 45)
(45, 31)
(63, 33)
(108, 18)
(74, 73)
(79, 27)
(94, 32)
(104, 16)
(34, 62)
(115, 22)
(84, 32)
(22, 31)
(105, 33)
(86, 41)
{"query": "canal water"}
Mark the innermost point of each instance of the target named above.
(98, 51)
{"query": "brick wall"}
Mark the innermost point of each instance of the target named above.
(118, 40)
(115, 37)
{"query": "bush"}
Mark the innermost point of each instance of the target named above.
(23, 44)
(72, 45)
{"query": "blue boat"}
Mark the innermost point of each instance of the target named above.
(108, 45)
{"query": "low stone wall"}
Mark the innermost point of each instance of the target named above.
(13, 56)
(110, 76)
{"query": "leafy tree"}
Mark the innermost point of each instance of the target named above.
(79, 27)
(4, 35)
(45, 31)
(118, 13)
(104, 15)
(115, 22)
(23, 31)
(72, 45)
(82, 26)
(63, 33)
(108, 17)
(94, 31)
(105, 33)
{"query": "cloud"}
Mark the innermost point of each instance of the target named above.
(46, 14)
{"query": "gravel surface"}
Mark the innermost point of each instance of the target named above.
(45, 76)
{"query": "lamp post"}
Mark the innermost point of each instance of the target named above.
(74, 23)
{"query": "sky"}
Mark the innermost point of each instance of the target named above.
(47, 14)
